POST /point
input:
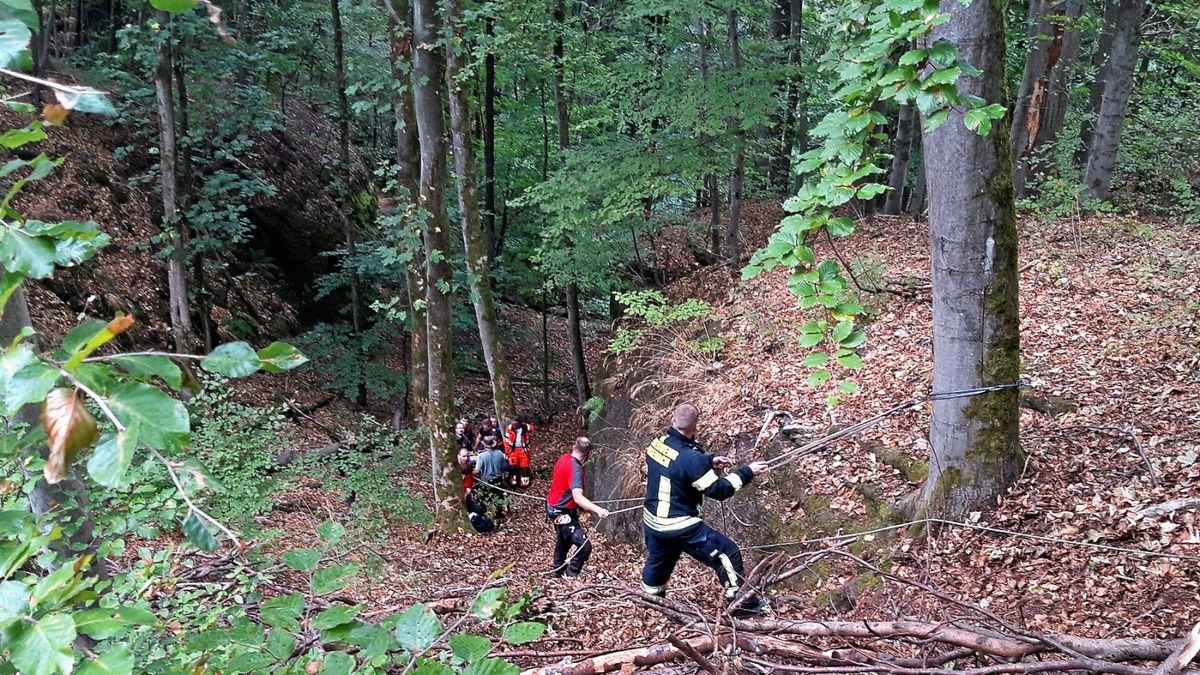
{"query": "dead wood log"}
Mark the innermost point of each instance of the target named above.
(1170, 507)
(690, 651)
(1181, 657)
(643, 656)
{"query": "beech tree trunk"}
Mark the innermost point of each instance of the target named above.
(489, 144)
(712, 184)
(474, 241)
(408, 170)
(900, 151)
(177, 287)
(1041, 104)
(1118, 85)
(916, 203)
(737, 180)
(792, 119)
(583, 387)
(1100, 56)
(975, 447)
(428, 71)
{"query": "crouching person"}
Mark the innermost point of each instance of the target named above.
(563, 502)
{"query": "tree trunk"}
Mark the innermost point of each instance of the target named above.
(583, 388)
(975, 446)
(67, 498)
(900, 151)
(737, 181)
(1118, 85)
(181, 315)
(714, 214)
(348, 218)
(916, 203)
(791, 118)
(1096, 91)
(474, 241)
(489, 143)
(114, 18)
(427, 103)
(408, 175)
(1040, 107)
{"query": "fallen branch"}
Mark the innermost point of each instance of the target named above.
(1177, 661)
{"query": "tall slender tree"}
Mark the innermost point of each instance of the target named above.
(408, 175)
(1118, 76)
(737, 179)
(428, 71)
(975, 450)
(489, 142)
(901, 147)
(474, 242)
(177, 286)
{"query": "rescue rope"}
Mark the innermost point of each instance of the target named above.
(811, 447)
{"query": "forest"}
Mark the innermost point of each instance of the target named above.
(564, 337)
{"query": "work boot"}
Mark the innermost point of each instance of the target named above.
(754, 606)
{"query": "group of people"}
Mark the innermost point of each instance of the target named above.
(679, 474)
(496, 458)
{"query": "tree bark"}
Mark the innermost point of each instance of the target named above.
(348, 218)
(1040, 106)
(489, 143)
(1118, 85)
(916, 202)
(474, 242)
(408, 170)
(1096, 91)
(900, 151)
(737, 180)
(793, 116)
(975, 448)
(177, 287)
(583, 388)
(427, 103)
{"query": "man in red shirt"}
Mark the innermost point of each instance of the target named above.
(563, 502)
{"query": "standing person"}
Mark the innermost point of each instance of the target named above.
(563, 502)
(516, 444)
(678, 477)
(490, 468)
(464, 434)
(489, 428)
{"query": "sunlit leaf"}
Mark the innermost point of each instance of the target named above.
(14, 39)
(43, 646)
(278, 357)
(173, 6)
(196, 531)
(111, 459)
(117, 660)
(524, 631)
(233, 359)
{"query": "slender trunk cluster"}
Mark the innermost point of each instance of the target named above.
(474, 242)
(177, 287)
(975, 448)
(737, 180)
(902, 146)
(1117, 76)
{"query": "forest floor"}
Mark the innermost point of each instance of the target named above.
(1110, 426)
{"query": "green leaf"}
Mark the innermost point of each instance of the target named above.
(816, 359)
(302, 559)
(9, 283)
(105, 622)
(278, 357)
(14, 39)
(491, 667)
(30, 384)
(854, 339)
(15, 138)
(31, 256)
(943, 53)
(913, 57)
(112, 457)
(14, 601)
(173, 6)
(117, 660)
(146, 366)
(818, 378)
(840, 226)
(85, 101)
(249, 661)
(470, 648)
(197, 533)
(162, 421)
(842, 330)
(233, 359)
(338, 663)
(944, 76)
(851, 361)
(22, 10)
(978, 121)
(849, 308)
(331, 579)
(488, 603)
(43, 647)
(335, 616)
(935, 120)
(281, 644)
(283, 611)
(417, 628)
(848, 386)
(330, 532)
(524, 631)
(810, 339)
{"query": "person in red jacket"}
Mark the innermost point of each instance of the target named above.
(516, 445)
(563, 502)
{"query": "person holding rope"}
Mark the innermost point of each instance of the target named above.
(678, 476)
(563, 502)
(490, 467)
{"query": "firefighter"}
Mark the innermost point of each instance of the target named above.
(516, 445)
(679, 476)
(563, 502)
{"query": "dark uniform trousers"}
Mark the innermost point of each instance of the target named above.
(703, 543)
(570, 533)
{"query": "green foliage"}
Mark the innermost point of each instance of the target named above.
(654, 312)
(594, 406)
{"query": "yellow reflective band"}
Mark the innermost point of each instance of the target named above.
(668, 524)
(664, 497)
(735, 480)
(733, 580)
(706, 481)
(661, 452)
(652, 590)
